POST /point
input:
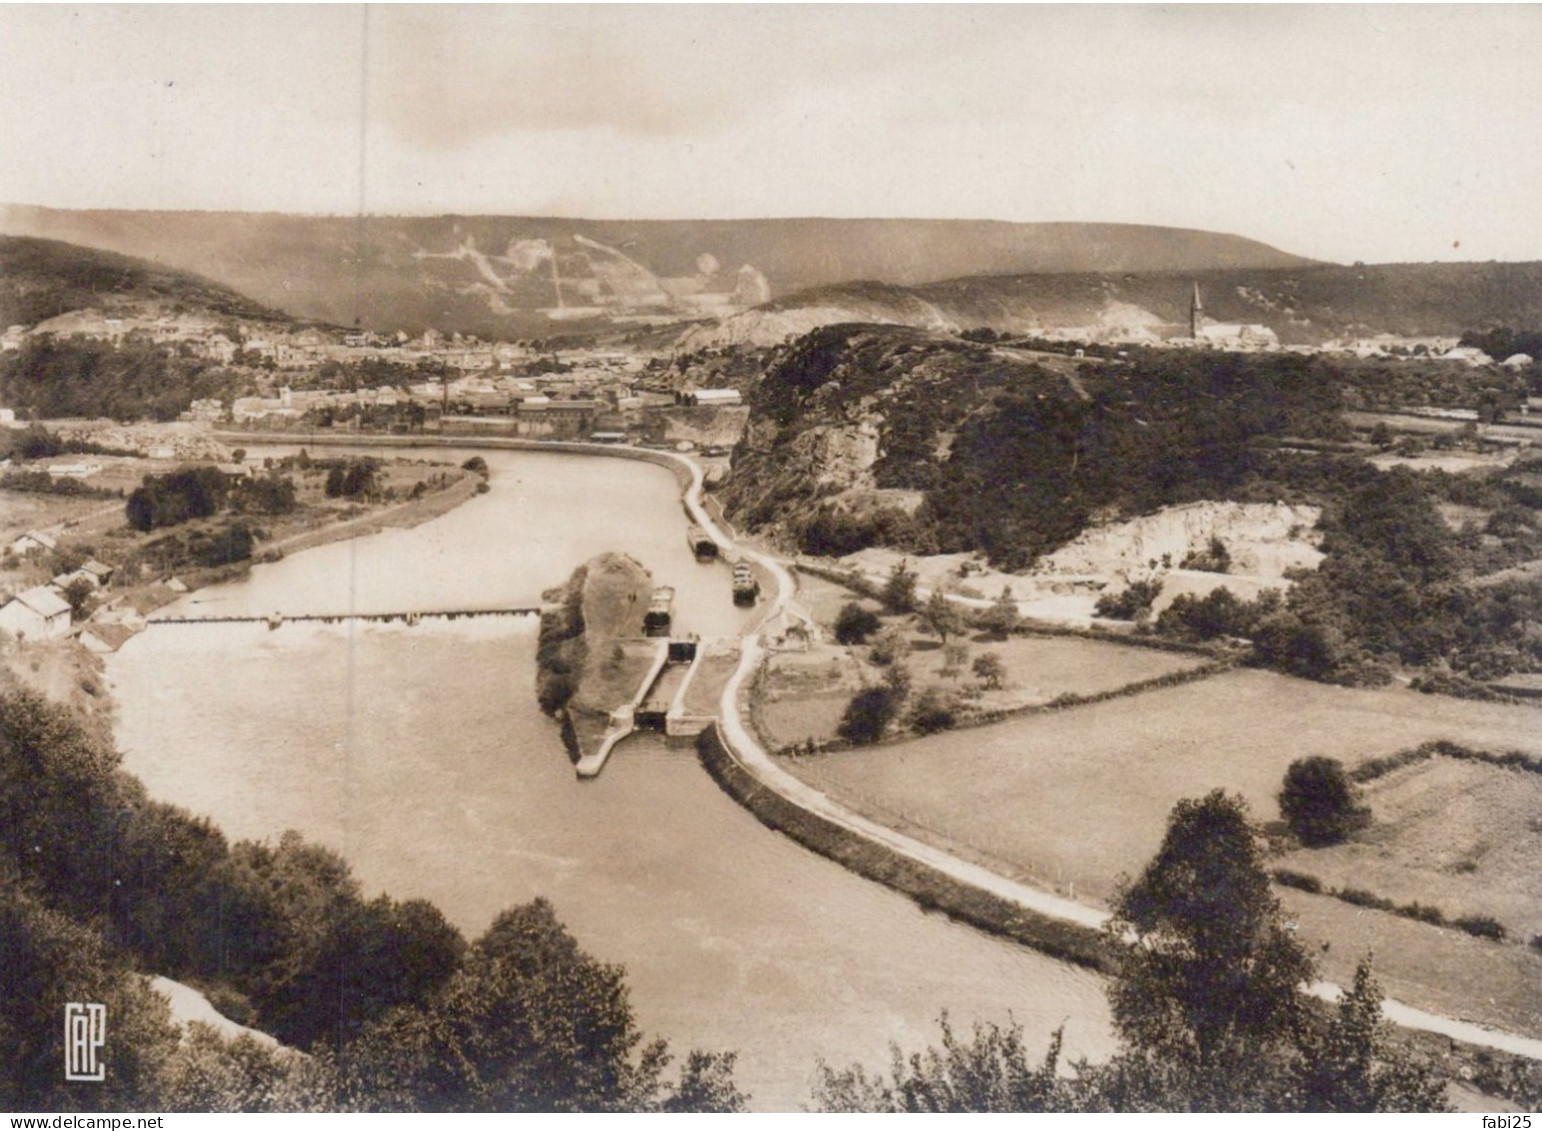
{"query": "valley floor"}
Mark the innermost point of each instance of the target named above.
(1076, 799)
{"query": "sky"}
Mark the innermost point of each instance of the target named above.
(1392, 133)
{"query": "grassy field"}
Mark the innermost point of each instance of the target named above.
(21, 511)
(1462, 836)
(1441, 969)
(785, 722)
(1081, 796)
(1074, 799)
(802, 695)
(1041, 669)
(613, 673)
(705, 693)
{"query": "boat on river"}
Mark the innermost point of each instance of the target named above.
(746, 588)
(701, 544)
(661, 610)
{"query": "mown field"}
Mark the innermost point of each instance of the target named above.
(21, 511)
(802, 695)
(1440, 969)
(1082, 795)
(1460, 836)
(1074, 799)
(1041, 669)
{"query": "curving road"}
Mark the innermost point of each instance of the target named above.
(745, 749)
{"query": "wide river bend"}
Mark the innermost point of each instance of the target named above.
(419, 754)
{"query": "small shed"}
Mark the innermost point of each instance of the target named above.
(94, 573)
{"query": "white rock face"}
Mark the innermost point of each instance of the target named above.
(1259, 537)
(751, 289)
(770, 327)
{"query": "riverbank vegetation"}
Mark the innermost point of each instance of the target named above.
(101, 885)
(1208, 1002)
(199, 522)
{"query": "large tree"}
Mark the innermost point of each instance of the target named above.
(1211, 979)
(899, 589)
(529, 1023)
(941, 617)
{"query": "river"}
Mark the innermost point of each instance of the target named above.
(419, 753)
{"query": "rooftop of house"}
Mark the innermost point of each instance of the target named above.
(44, 600)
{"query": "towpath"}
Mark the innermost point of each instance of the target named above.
(748, 752)
(752, 756)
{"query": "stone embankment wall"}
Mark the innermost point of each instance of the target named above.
(930, 888)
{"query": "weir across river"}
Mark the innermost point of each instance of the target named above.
(275, 620)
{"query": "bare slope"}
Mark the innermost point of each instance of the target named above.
(40, 279)
(1301, 303)
(511, 276)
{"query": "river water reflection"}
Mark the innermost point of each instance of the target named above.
(418, 752)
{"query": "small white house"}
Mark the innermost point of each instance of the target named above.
(33, 540)
(96, 573)
(37, 614)
(712, 397)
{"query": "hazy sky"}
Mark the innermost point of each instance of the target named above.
(1378, 133)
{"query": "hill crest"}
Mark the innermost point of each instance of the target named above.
(1305, 305)
(506, 277)
(41, 279)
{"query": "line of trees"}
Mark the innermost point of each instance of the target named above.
(86, 377)
(100, 884)
(353, 479)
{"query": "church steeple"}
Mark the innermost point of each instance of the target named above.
(1196, 313)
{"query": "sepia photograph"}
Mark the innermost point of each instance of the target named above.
(770, 558)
